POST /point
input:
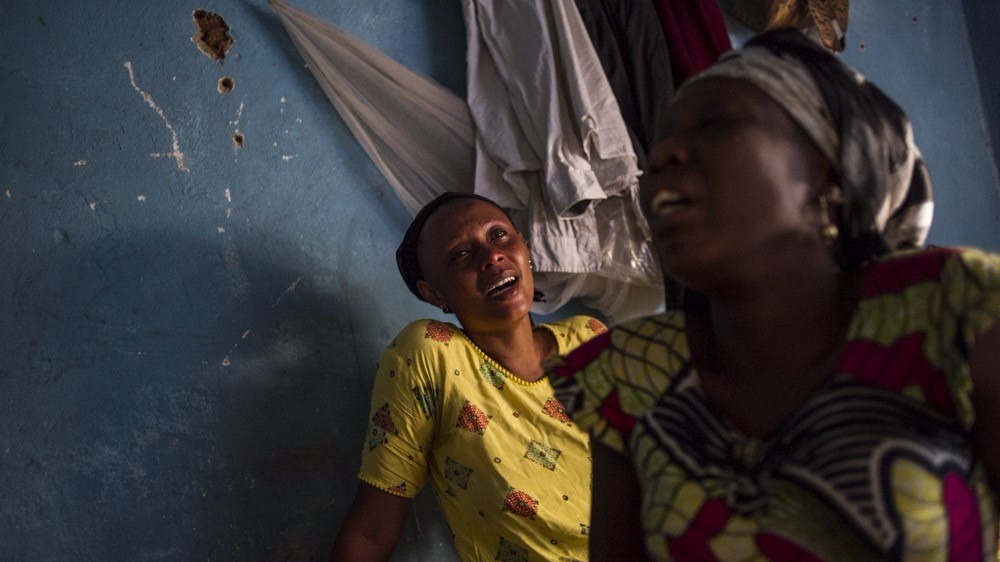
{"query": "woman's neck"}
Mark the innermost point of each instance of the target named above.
(782, 325)
(520, 349)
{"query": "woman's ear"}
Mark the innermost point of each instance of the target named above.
(430, 295)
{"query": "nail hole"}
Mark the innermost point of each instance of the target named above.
(238, 140)
(225, 85)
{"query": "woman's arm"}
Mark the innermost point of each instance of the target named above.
(372, 527)
(985, 370)
(615, 526)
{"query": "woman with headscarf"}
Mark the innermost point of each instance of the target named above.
(830, 391)
(469, 406)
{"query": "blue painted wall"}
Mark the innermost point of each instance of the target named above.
(188, 329)
(982, 17)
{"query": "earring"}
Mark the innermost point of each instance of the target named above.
(531, 266)
(828, 231)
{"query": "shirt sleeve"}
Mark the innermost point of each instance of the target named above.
(974, 290)
(609, 383)
(586, 386)
(971, 298)
(401, 423)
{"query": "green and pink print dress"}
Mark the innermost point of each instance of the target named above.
(879, 462)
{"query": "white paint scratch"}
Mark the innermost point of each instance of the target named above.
(245, 334)
(288, 157)
(7, 193)
(229, 196)
(220, 229)
(225, 361)
(291, 289)
(282, 99)
(79, 163)
(140, 197)
(229, 213)
(176, 153)
(92, 205)
(298, 119)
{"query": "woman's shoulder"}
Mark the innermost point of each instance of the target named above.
(425, 335)
(948, 267)
(634, 338)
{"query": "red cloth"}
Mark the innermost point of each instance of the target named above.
(695, 32)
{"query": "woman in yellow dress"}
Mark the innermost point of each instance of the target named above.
(468, 405)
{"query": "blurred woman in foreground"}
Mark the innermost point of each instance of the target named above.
(829, 392)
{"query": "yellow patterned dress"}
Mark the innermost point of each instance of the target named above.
(879, 462)
(510, 470)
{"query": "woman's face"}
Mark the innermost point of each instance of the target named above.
(732, 180)
(475, 263)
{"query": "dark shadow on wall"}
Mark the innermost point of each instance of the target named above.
(294, 437)
(181, 399)
(446, 31)
(981, 22)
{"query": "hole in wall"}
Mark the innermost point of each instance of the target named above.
(213, 37)
(861, 46)
(226, 85)
(238, 140)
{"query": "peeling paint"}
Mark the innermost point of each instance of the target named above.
(226, 362)
(7, 193)
(92, 205)
(229, 196)
(140, 197)
(287, 157)
(176, 153)
(229, 213)
(291, 289)
(220, 229)
(238, 139)
(212, 37)
(79, 163)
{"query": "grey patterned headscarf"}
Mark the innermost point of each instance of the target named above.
(866, 137)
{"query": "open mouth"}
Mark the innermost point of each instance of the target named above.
(665, 202)
(502, 286)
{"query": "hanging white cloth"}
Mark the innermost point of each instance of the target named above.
(423, 139)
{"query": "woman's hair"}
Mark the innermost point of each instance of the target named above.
(407, 259)
(866, 137)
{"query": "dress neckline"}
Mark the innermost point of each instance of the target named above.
(503, 370)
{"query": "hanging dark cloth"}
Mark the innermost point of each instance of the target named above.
(629, 42)
(696, 34)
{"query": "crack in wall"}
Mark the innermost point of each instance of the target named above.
(176, 153)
